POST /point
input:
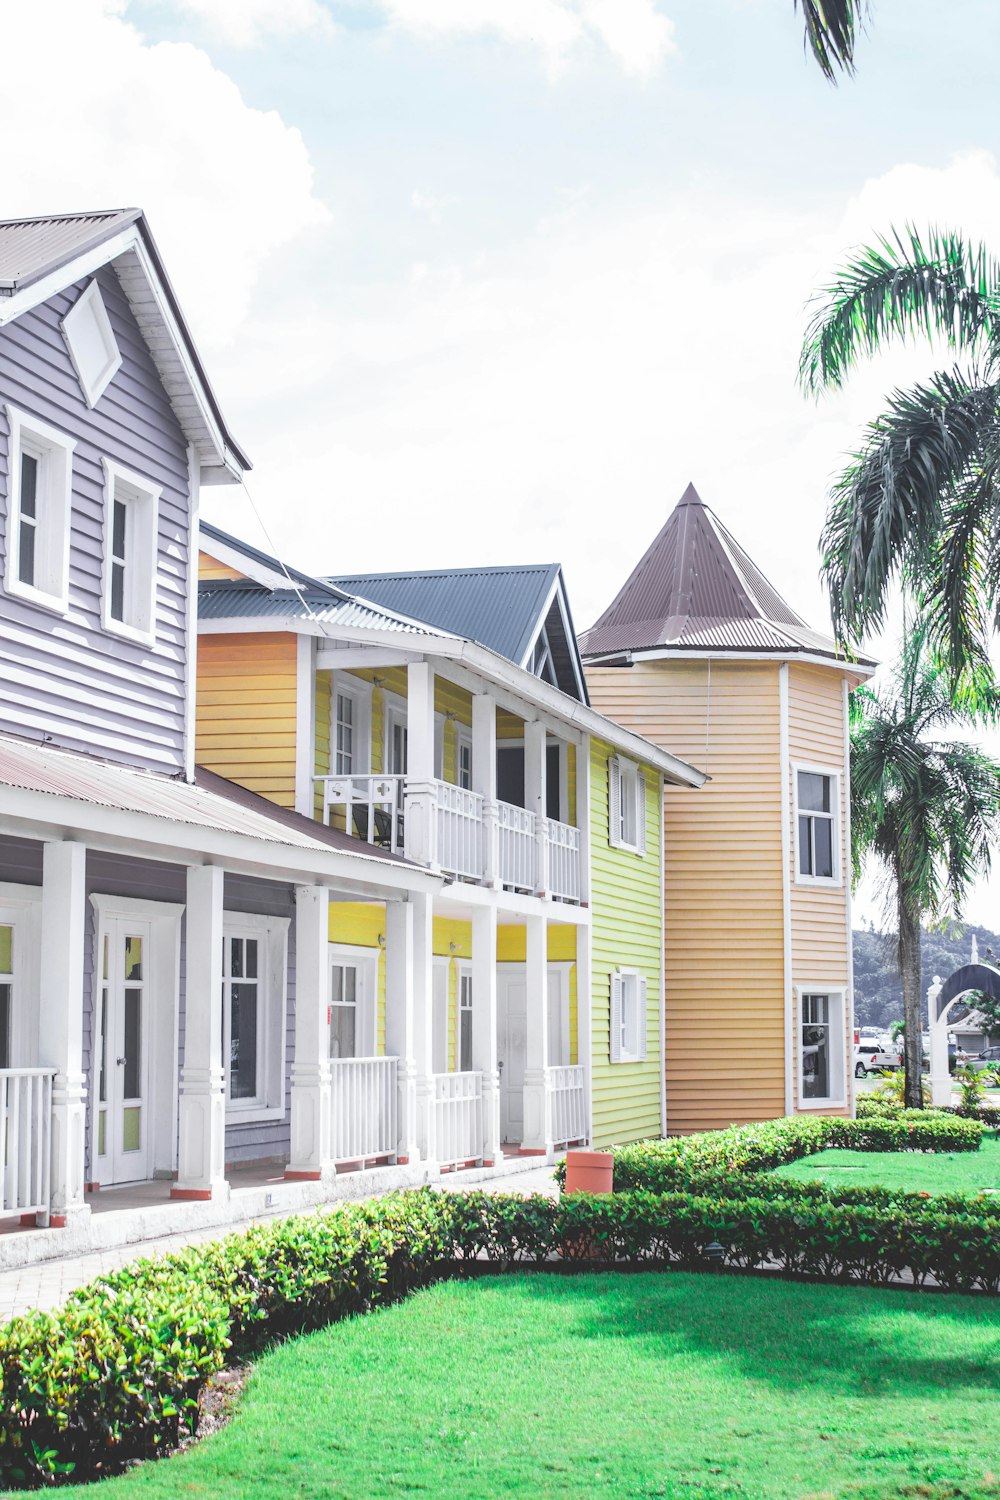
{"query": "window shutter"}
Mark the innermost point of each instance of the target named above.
(614, 801)
(641, 1021)
(640, 812)
(616, 1018)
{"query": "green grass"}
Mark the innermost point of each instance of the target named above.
(911, 1171)
(653, 1387)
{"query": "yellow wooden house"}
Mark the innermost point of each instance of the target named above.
(700, 652)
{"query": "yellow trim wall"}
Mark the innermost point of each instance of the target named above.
(627, 932)
(245, 728)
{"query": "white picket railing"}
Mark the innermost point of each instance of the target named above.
(568, 1096)
(25, 1139)
(459, 833)
(457, 1124)
(518, 847)
(371, 806)
(564, 860)
(363, 1108)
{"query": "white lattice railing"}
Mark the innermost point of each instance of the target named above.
(459, 834)
(457, 1123)
(518, 851)
(564, 860)
(371, 806)
(363, 1108)
(568, 1095)
(25, 1139)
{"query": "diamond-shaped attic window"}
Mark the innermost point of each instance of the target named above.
(93, 350)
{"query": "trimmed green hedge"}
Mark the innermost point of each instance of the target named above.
(872, 1106)
(117, 1374)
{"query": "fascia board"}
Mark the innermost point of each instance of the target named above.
(250, 567)
(541, 615)
(861, 670)
(36, 814)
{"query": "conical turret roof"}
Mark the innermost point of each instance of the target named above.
(697, 590)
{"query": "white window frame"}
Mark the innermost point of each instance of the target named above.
(272, 1003)
(54, 506)
(360, 693)
(464, 1014)
(626, 788)
(90, 306)
(837, 996)
(463, 741)
(142, 503)
(833, 774)
(365, 962)
(629, 1021)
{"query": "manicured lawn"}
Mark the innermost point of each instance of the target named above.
(912, 1171)
(673, 1386)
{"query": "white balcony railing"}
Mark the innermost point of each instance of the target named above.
(568, 1095)
(564, 860)
(363, 1108)
(25, 1139)
(459, 830)
(372, 806)
(518, 847)
(457, 1118)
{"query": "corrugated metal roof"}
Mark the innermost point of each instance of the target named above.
(243, 599)
(31, 248)
(499, 608)
(696, 589)
(212, 802)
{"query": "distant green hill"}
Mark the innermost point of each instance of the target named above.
(878, 994)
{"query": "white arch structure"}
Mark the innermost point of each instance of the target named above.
(940, 998)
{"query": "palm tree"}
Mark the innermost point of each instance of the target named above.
(920, 501)
(925, 809)
(831, 32)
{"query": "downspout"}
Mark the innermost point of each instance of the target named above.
(786, 884)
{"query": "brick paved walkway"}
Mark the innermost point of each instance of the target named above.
(49, 1283)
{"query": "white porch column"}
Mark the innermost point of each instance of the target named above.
(537, 1110)
(423, 1020)
(202, 1115)
(400, 1035)
(485, 1039)
(940, 1078)
(534, 797)
(60, 1021)
(484, 780)
(310, 1141)
(421, 821)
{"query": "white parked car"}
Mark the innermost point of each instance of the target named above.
(874, 1056)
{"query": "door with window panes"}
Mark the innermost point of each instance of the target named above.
(122, 1114)
(345, 987)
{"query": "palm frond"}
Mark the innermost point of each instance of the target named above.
(831, 32)
(906, 284)
(960, 593)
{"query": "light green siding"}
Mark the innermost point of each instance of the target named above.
(627, 905)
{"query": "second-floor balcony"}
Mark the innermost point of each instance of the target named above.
(460, 832)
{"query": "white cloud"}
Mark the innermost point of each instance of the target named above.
(634, 31)
(122, 122)
(248, 23)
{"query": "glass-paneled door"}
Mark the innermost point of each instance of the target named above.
(120, 1148)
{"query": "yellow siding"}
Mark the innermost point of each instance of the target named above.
(211, 568)
(627, 932)
(724, 927)
(246, 711)
(819, 913)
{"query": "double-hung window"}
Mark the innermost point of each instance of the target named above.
(253, 1010)
(628, 1016)
(130, 541)
(821, 1045)
(816, 796)
(350, 725)
(626, 805)
(39, 499)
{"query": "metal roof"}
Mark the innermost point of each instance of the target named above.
(499, 608)
(696, 589)
(211, 803)
(245, 599)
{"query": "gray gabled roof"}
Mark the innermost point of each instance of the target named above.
(502, 608)
(696, 590)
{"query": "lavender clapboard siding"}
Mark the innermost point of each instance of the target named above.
(67, 678)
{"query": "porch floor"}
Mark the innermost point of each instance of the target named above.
(148, 1194)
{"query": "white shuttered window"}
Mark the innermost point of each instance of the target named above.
(626, 805)
(628, 1016)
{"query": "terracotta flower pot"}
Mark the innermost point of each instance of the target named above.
(589, 1172)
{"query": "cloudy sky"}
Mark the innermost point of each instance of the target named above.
(491, 280)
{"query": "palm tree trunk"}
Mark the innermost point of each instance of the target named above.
(910, 973)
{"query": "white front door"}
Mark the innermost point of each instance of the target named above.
(512, 1011)
(122, 1024)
